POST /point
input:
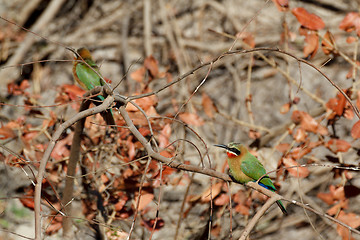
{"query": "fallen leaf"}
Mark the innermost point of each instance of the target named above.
(151, 64)
(215, 190)
(281, 5)
(149, 224)
(247, 38)
(311, 46)
(351, 22)
(6, 132)
(326, 197)
(283, 147)
(222, 200)
(301, 172)
(328, 43)
(138, 75)
(299, 152)
(344, 204)
(242, 209)
(145, 199)
(350, 219)
(191, 119)
(308, 20)
(164, 136)
(338, 145)
(285, 108)
(351, 39)
(355, 130)
(308, 123)
(300, 135)
(73, 91)
(208, 106)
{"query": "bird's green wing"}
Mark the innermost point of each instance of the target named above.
(87, 76)
(253, 168)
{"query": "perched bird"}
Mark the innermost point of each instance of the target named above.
(89, 78)
(245, 167)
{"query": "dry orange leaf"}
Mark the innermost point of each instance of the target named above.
(145, 103)
(300, 135)
(208, 105)
(355, 130)
(344, 204)
(164, 136)
(308, 20)
(145, 199)
(281, 5)
(6, 132)
(151, 64)
(351, 22)
(337, 104)
(247, 38)
(191, 119)
(215, 190)
(351, 39)
(242, 209)
(283, 147)
(308, 123)
(73, 91)
(326, 197)
(295, 171)
(350, 219)
(312, 45)
(222, 200)
(285, 108)
(138, 75)
(328, 43)
(338, 145)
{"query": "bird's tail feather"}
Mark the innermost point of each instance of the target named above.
(281, 206)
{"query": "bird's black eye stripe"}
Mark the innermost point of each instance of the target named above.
(235, 150)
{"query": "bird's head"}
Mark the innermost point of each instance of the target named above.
(84, 53)
(233, 149)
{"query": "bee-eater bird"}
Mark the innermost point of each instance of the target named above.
(245, 167)
(88, 78)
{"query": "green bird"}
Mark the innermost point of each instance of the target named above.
(245, 167)
(89, 78)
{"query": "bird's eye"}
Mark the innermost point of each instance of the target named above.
(235, 150)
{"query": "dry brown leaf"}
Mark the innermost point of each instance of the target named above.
(281, 5)
(312, 45)
(6, 132)
(151, 64)
(283, 147)
(308, 20)
(338, 145)
(222, 200)
(301, 172)
(343, 204)
(351, 22)
(138, 75)
(145, 199)
(300, 135)
(355, 130)
(191, 119)
(208, 105)
(328, 43)
(215, 190)
(308, 123)
(326, 197)
(285, 108)
(350, 219)
(164, 136)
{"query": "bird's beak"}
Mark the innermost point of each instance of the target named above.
(221, 146)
